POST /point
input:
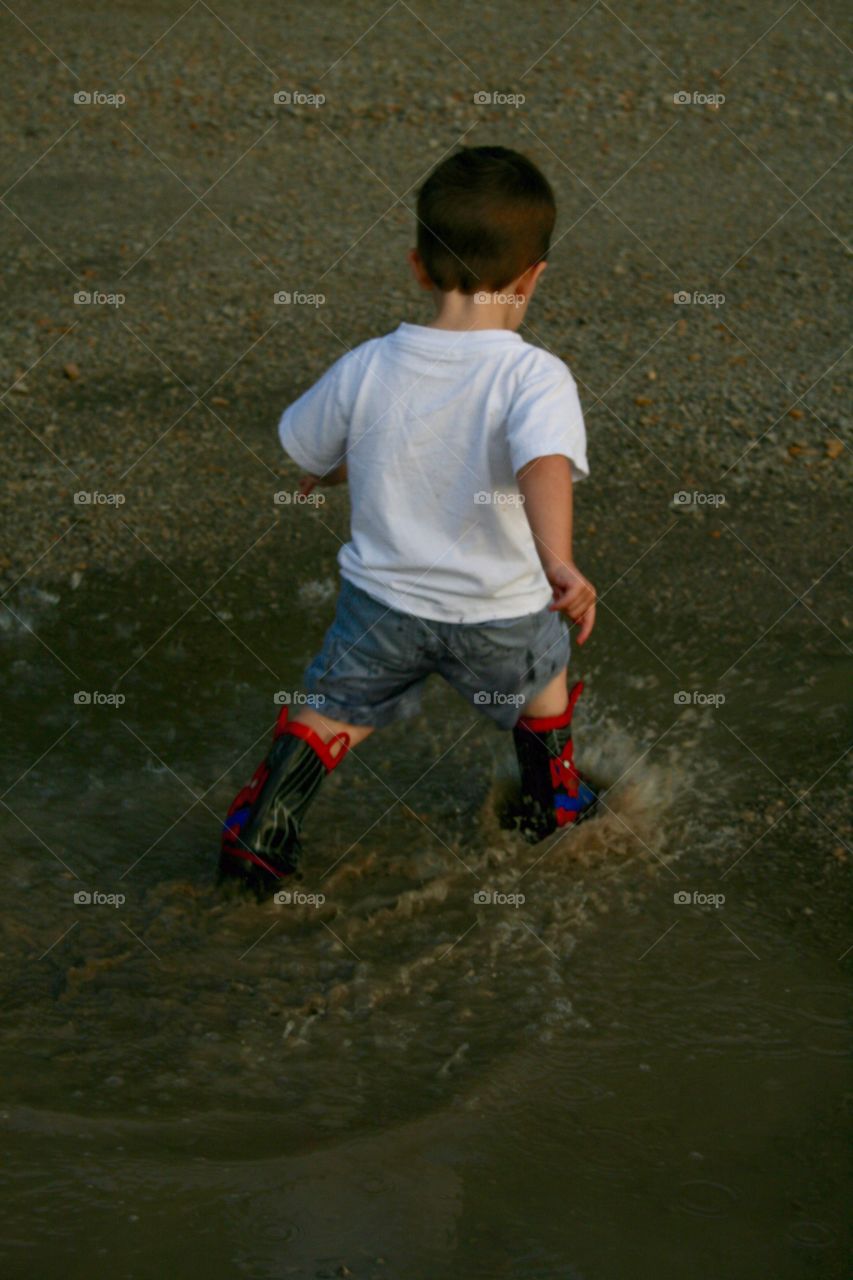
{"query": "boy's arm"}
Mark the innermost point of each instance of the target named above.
(546, 486)
(308, 482)
(314, 430)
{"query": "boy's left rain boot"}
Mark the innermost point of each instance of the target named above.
(260, 835)
(553, 793)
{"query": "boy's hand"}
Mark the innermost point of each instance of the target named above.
(308, 483)
(574, 595)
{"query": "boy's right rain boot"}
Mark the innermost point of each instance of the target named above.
(260, 835)
(553, 793)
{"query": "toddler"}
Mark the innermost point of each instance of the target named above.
(460, 443)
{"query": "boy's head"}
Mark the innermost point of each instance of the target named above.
(485, 215)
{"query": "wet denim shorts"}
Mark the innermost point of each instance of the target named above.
(374, 661)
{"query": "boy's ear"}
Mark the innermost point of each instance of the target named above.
(527, 282)
(419, 271)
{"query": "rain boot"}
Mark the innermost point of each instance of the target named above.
(553, 793)
(260, 835)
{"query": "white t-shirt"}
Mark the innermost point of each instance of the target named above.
(434, 425)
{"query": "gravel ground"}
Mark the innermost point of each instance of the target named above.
(169, 398)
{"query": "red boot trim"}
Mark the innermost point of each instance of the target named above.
(307, 734)
(323, 749)
(541, 724)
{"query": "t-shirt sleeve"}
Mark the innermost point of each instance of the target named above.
(314, 429)
(545, 417)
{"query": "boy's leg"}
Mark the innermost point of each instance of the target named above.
(260, 837)
(327, 728)
(552, 700)
(553, 792)
(369, 670)
(500, 665)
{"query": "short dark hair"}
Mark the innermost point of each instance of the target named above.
(485, 215)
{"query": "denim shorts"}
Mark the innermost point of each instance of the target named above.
(374, 661)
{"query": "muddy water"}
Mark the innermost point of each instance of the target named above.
(395, 1075)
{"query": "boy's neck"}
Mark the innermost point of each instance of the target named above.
(486, 309)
